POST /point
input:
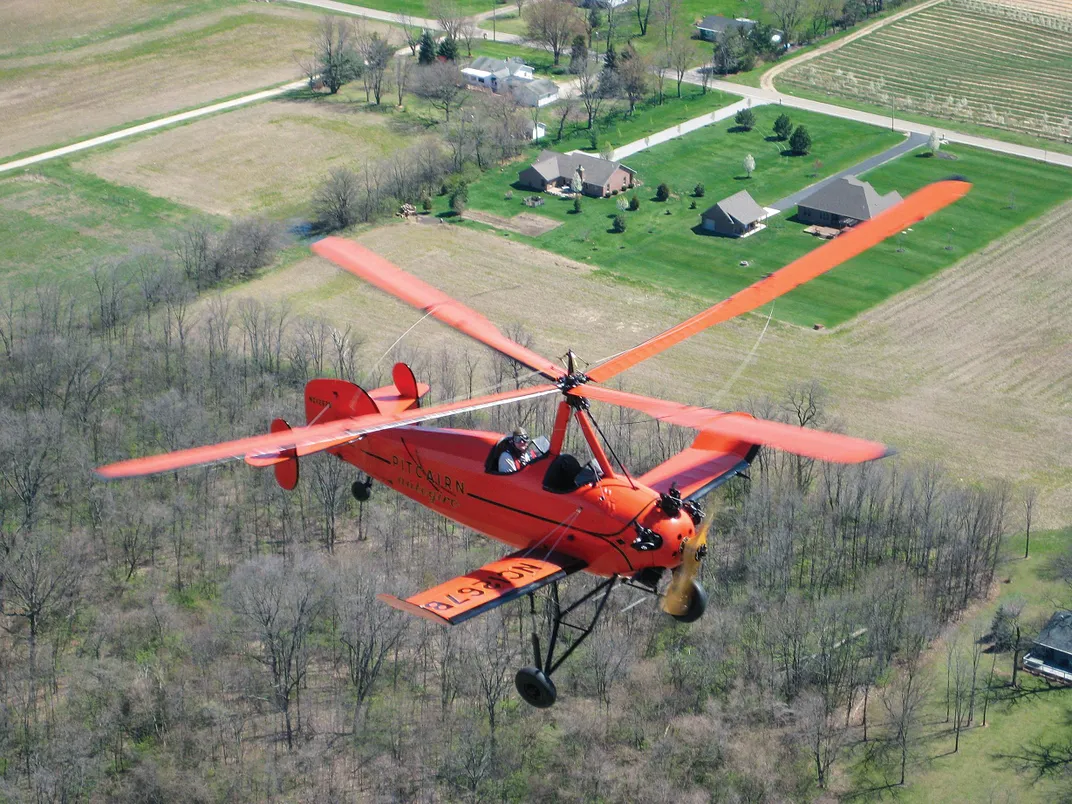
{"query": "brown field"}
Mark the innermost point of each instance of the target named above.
(265, 158)
(971, 368)
(51, 99)
(29, 26)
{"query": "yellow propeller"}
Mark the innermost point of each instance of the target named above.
(680, 591)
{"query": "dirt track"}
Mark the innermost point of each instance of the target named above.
(971, 368)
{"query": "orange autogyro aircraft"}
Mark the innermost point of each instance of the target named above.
(560, 515)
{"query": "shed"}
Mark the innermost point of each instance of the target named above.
(1051, 655)
(713, 24)
(735, 216)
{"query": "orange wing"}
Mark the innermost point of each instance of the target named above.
(817, 444)
(481, 590)
(911, 210)
(267, 450)
(373, 268)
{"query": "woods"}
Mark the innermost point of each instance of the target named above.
(206, 635)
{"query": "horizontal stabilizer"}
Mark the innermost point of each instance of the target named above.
(481, 590)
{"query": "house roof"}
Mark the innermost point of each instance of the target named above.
(740, 207)
(717, 24)
(553, 165)
(1058, 632)
(850, 197)
(498, 67)
(540, 88)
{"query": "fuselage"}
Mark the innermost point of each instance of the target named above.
(445, 470)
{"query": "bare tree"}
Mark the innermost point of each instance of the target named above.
(376, 52)
(335, 60)
(903, 701)
(790, 14)
(553, 24)
(277, 604)
(590, 92)
(412, 34)
(564, 110)
(401, 77)
(680, 55)
(336, 201)
(1028, 497)
(449, 16)
(442, 85)
(634, 77)
(643, 14)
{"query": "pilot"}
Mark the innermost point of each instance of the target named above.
(519, 452)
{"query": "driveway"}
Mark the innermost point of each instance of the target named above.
(914, 140)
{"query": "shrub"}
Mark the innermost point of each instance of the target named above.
(1003, 627)
(662, 193)
(783, 126)
(336, 202)
(619, 223)
(509, 195)
(746, 119)
(426, 204)
(800, 141)
(622, 204)
(634, 203)
(749, 164)
(448, 49)
(577, 205)
(699, 190)
(692, 205)
(459, 198)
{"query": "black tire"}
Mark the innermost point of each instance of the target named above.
(535, 688)
(361, 491)
(697, 605)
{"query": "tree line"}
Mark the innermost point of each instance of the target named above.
(205, 635)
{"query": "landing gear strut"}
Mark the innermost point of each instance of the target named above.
(534, 683)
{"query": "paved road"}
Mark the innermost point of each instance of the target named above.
(403, 19)
(152, 125)
(908, 127)
(682, 129)
(912, 141)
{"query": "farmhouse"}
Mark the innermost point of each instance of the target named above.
(736, 216)
(599, 177)
(510, 76)
(844, 202)
(712, 25)
(1051, 656)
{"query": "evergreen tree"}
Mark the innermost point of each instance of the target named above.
(783, 126)
(610, 59)
(427, 52)
(746, 119)
(448, 49)
(800, 142)
(578, 55)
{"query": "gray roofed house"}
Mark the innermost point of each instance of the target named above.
(599, 177)
(1051, 656)
(535, 93)
(736, 216)
(844, 202)
(713, 24)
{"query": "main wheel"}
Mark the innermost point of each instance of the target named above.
(535, 687)
(697, 605)
(361, 490)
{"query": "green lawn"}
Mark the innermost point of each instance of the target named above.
(664, 251)
(540, 60)
(979, 771)
(57, 223)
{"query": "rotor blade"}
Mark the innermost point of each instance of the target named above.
(817, 444)
(917, 206)
(265, 450)
(373, 268)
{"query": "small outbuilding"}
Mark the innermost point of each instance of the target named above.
(1051, 655)
(599, 177)
(736, 216)
(844, 202)
(713, 24)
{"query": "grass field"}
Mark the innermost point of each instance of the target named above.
(961, 61)
(194, 60)
(263, 159)
(981, 769)
(664, 251)
(57, 223)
